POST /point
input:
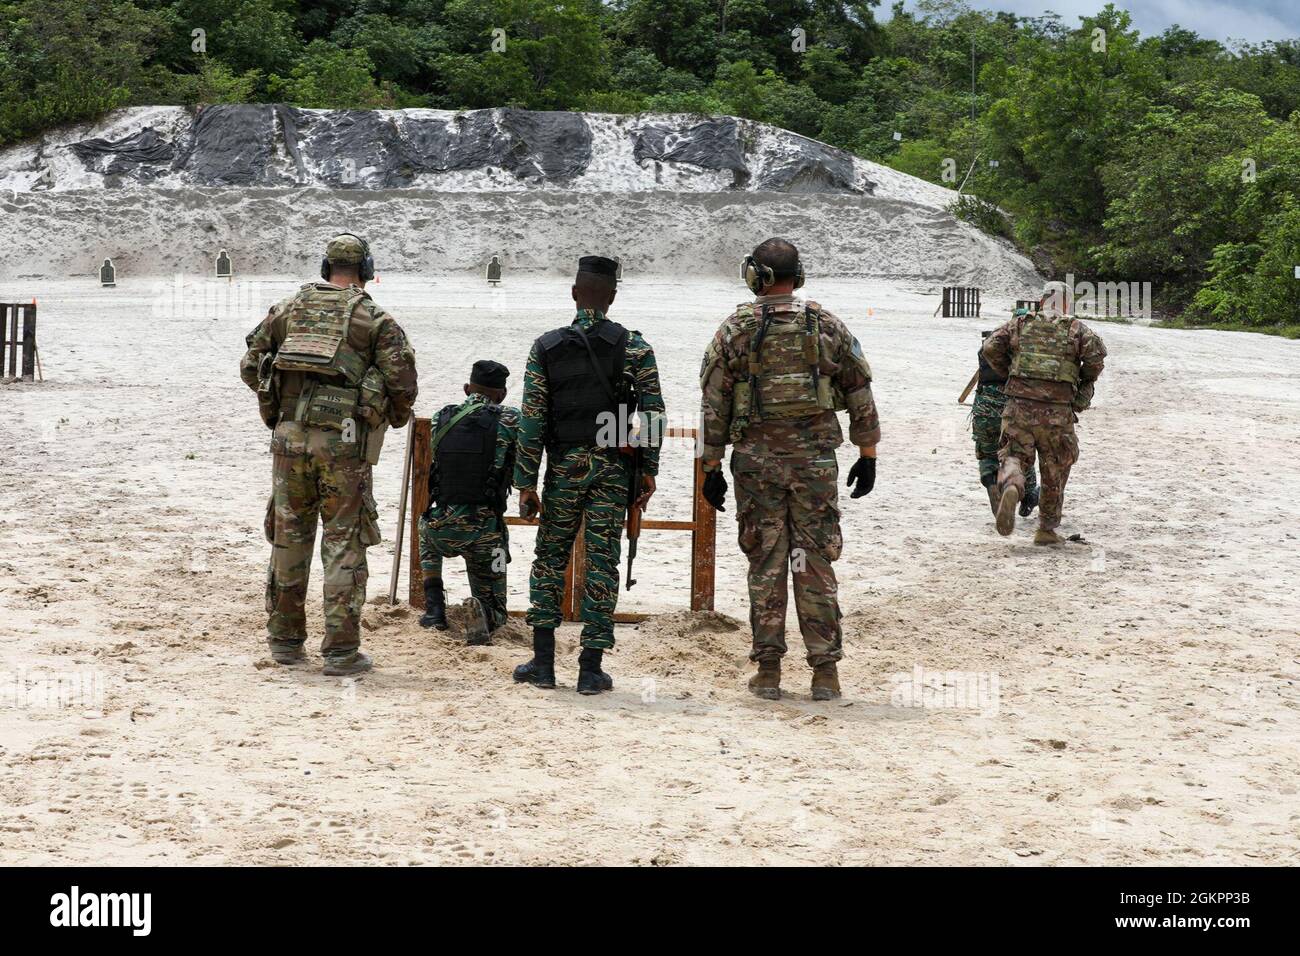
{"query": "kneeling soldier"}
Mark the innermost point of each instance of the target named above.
(473, 451)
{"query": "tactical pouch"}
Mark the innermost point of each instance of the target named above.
(374, 442)
(309, 352)
(268, 390)
(741, 396)
(330, 406)
(369, 533)
(828, 396)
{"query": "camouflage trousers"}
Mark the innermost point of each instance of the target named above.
(1044, 430)
(586, 486)
(479, 537)
(317, 477)
(986, 428)
(788, 514)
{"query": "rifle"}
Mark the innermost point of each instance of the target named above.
(636, 451)
(969, 385)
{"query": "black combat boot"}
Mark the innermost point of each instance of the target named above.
(990, 483)
(435, 605)
(591, 679)
(540, 671)
(1029, 503)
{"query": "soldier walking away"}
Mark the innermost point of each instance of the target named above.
(1052, 362)
(473, 451)
(332, 371)
(773, 378)
(986, 428)
(582, 390)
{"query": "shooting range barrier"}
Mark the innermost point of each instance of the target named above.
(702, 526)
(960, 302)
(12, 316)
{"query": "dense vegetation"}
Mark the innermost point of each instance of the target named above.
(1169, 159)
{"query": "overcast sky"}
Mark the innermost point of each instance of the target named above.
(1252, 20)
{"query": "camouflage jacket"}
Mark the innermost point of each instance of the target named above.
(638, 361)
(503, 466)
(1089, 350)
(727, 361)
(380, 337)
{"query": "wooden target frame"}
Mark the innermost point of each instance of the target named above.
(702, 526)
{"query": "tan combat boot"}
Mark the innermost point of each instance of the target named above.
(994, 497)
(1006, 512)
(767, 682)
(826, 681)
(1046, 536)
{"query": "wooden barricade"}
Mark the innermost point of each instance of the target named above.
(960, 302)
(702, 526)
(12, 342)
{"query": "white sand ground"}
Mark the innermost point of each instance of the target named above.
(1145, 707)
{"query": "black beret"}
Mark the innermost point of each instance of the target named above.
(599, 265)
(489, 374)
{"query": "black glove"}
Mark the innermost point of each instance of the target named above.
(864, 473)
(715, 489)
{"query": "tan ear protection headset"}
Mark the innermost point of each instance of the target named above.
(760, 277)
(366, 271)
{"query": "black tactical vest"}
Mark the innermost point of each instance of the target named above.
(465, 457)
(987, 375)
(578, 399)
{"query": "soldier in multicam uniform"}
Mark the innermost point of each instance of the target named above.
(1052, 362)
(469, 481)
(576, 407)
(986, 428)
(775, 374)
(332, 371)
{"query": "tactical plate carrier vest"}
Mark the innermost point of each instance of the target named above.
(578, 397)
(465, 457)
(1046, 351)
(784, 375)
(336, 384)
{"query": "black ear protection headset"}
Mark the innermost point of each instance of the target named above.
(367, 268)
(760, 277)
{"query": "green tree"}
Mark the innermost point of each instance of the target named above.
(64, 60)
(554, 53)
(326, 77)
(1165, 213)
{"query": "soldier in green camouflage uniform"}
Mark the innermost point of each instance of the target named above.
(986, 428)
(332, 371)
(1052, 362)
(772, 379)
(475, 443)
(576, 408)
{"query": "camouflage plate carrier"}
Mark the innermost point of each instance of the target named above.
(340, 390)
(785, 379)
(1046, 351)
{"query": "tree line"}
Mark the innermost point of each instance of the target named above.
(1173, 159)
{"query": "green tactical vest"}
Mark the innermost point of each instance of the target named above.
(1046, 351)
(316, 345)
(784, 380)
